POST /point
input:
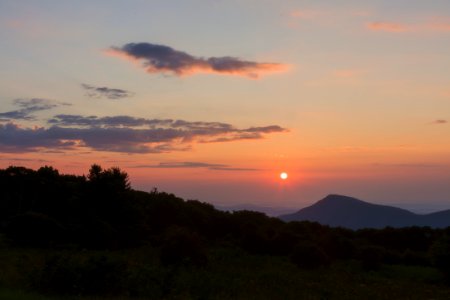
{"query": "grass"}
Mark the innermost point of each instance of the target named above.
(9, 294)
(230, 274)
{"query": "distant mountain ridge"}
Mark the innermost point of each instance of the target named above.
(348, 212)
(271, 211)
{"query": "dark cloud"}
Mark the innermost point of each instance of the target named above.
(29, 106)
(194, 165)
(105, 92)
(439, 122)
(220, 131)
(16, 139)
(114, 121)
(163, 59)
(122, 134)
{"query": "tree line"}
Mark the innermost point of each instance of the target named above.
(45, 209)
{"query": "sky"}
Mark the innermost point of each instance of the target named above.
(212, 100)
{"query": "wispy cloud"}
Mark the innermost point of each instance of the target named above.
(123, 134)
(434, 25)
(443, 26)
(194, 165)
(439, 122)
(346, 73)
(163, 59)
(29, 106)
(320, 16)
(388, 26)
(105, 92)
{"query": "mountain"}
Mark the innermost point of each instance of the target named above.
(343, 211)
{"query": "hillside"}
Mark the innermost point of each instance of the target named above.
(348, 212)
(94, 236)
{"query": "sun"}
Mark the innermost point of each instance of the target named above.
(284, 175)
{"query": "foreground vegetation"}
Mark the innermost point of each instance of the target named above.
(93, 237)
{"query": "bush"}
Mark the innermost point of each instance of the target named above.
(309, 256)
(182, 246)
(75, 275)
(34, 229)
(440, 255)
(415, 258)
(372, 257)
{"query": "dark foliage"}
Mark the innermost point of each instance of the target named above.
(371, 257)
(440, 254)
(34, 229)
(46, 209)
(309, 256)
(182, 246)
(74, 275)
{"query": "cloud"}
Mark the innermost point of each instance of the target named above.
(443, 26)
(348, 73)
(435, 25)
(163, 59)
(13, 138)
(387, 26)
(28, 107)
(305, 17)
(105, 92)
(123, 134)
(194, 165)
(439, 122)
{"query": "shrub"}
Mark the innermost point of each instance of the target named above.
(307, 255)
(34, 229)
(182, 246)
(371, 257)
(75, 275)
(415, 258)
(440, 255)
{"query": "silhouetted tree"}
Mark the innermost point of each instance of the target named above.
(440, 255)
(34, 229)
(182, 246)
(371, 257)
(307, 255)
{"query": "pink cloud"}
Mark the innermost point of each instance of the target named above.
(435, 25)
(387, 26)
(439, 26)
(346, 73)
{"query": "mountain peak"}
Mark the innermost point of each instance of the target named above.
(338, 197)
(349, 212)
(335, 198)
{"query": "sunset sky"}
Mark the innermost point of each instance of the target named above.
(212, 100)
